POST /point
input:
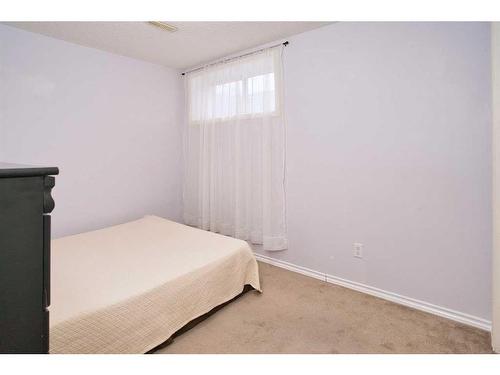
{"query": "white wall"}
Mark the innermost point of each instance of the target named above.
(388, 144)
(110, 123)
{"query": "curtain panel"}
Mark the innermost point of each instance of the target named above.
(234, 149)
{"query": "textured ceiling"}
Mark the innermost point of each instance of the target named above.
(194, 43)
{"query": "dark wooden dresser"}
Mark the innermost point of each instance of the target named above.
(25, 204)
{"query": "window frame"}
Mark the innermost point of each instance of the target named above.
(278, 96)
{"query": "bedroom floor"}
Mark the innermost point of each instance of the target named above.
(299, 314)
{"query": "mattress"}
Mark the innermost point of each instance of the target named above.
(128, 288)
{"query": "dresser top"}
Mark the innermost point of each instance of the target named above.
(21, 170)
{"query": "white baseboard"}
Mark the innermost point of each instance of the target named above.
(457, 316)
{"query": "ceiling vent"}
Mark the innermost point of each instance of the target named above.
(164, 26)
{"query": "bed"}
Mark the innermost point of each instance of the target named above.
(128, 288)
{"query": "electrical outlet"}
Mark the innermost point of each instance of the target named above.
(357, 250)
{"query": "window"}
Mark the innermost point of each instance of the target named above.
(228, 92)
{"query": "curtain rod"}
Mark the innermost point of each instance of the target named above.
(235, 57)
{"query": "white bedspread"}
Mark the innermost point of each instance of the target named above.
(128, 288)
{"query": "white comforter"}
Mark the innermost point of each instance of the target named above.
(128, 288)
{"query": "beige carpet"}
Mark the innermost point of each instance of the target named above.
(299, 314)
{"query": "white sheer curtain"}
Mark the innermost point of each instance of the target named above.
(234, 149)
